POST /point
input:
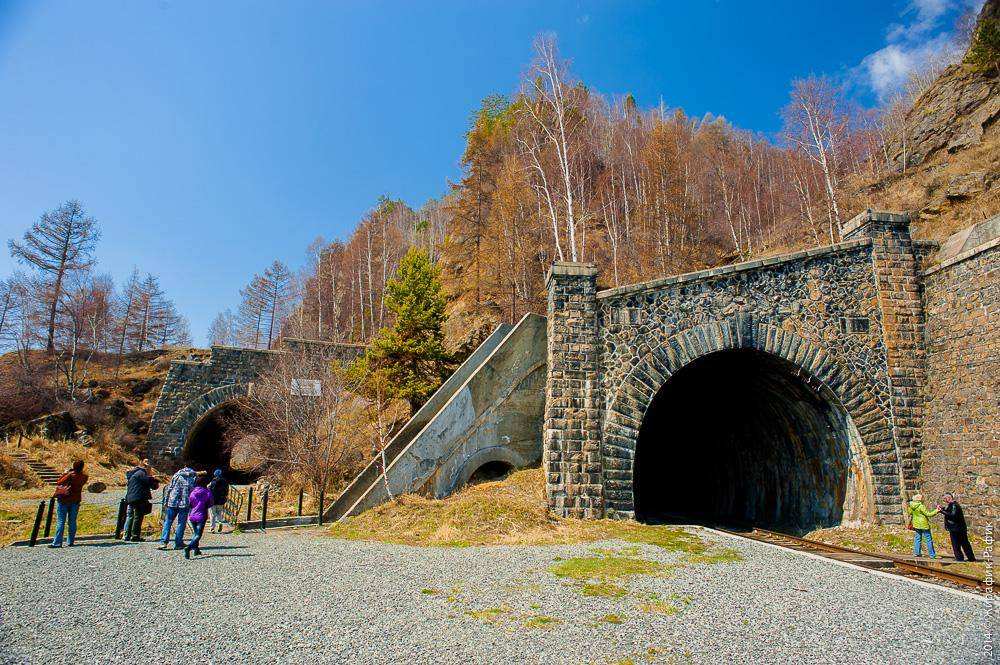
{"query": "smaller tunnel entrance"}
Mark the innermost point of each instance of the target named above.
(496, 470)
(211, 442)
(738, 437)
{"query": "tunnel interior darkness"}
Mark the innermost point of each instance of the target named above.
(209, 445)
(495, 470)
(738, 437)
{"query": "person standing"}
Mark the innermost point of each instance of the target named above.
(69, 493)
(138, 499)
(958, 530)
(200, 501)
(219, 487)
(176, 500)
(919, 515)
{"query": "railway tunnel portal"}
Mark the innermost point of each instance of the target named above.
(783, 392)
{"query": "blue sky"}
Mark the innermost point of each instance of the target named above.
(211, 138)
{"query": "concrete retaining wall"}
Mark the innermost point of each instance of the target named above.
(494, 415)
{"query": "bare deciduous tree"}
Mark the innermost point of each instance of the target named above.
(59, 244)
(303, 420)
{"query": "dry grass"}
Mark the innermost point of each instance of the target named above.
(16, 522)
(922, 189)
(507, 512)
(103, 460)
(16, 476)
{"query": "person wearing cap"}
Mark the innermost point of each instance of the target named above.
(921, 525)
(219, 487)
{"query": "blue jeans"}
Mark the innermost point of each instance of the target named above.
(181, 515)
(64, 512)
(924, 534)
(196, 528)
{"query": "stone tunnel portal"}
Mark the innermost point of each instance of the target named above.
(739, 437)
(211, 443)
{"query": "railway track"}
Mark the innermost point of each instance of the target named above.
(878, 561)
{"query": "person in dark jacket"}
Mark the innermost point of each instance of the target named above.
(69, 493)
(219, 487)
(138, 499)
(954, 524)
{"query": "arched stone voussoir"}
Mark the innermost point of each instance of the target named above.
(821, 369)
(200, 408)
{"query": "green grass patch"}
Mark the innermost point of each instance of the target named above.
(602, 589)
(16, 523)
(606, 567)
(541, 621)
(613, 618)
(430, 592)
(489, 614)
(653, 604)
(714, 556)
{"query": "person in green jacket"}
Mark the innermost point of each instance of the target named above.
(921, 525)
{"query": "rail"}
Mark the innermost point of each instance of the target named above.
(896, 564)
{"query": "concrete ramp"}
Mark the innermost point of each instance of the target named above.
(489, 412)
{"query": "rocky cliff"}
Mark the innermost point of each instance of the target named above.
(949, 158)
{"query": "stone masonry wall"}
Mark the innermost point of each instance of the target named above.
(792, 307)
(192, 388)
(962, 412)
(896, 265)
(849, 316)
(188, 382)
(572, 433)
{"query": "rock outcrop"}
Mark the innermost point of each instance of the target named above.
(951, 114)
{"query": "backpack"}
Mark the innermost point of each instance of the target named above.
(909, 518)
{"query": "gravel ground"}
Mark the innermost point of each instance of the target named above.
(301, 597)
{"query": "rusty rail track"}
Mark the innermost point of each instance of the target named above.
(874, 560)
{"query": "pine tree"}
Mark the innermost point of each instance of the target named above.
(409, 357)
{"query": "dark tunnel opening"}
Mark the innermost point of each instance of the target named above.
(495, 470)
(738, 438)
(211, 443)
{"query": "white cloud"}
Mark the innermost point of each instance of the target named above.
(887, 69)
(910, 48)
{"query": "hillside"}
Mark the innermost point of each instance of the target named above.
(949, 159)
(111, 401)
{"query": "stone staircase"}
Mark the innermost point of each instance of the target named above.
(48, 475)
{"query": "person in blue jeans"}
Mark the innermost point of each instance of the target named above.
(176, 507)
(69, 491)
(919, 515)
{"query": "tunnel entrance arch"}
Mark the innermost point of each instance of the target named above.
(838, 398)
(213, 443)
(738, 436)
(201, 433)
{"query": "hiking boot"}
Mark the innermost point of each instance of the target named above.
(187, 553)
(53, 546)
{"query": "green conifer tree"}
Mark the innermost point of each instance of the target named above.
(408, 360)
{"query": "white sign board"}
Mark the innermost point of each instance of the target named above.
(307, 387)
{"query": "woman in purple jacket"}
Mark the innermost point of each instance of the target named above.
(199, 502)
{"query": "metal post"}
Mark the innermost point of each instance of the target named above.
(48, 516)
(38, 523)
(249, 503)
(120, 521)
(300, 501)
(263, 510)
(321, 492)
